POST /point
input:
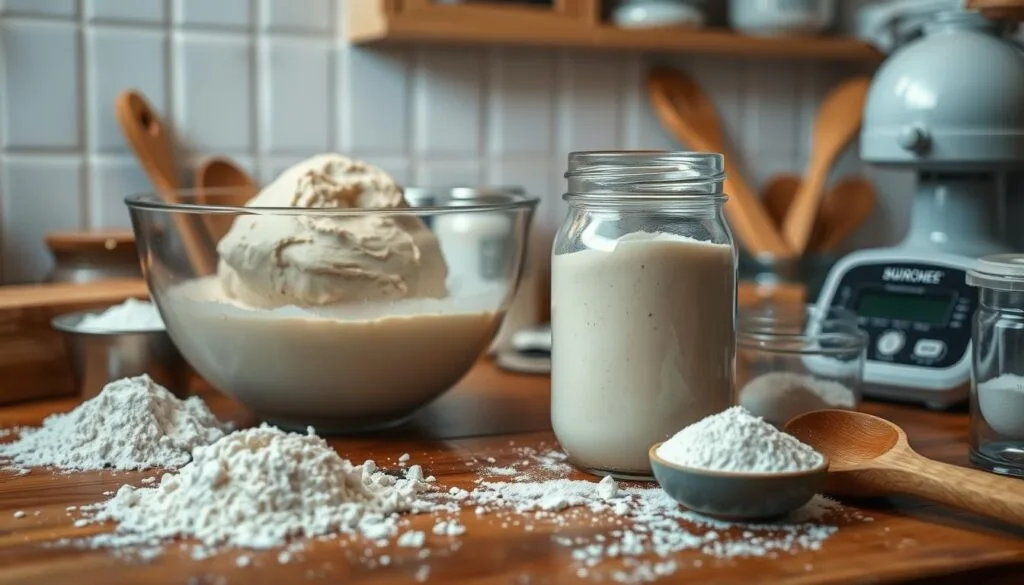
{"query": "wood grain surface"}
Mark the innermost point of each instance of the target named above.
(908, 541)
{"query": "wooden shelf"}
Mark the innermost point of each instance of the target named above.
(389, 22)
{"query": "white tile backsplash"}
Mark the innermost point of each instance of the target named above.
(448, 102)
(41, 194)
(40, 82)
(268, 82)
(296, 113)
(142, 12)
(51, 8)
(448, 172)
(521, 112)
(213, 91)
(374, 99)
(117, 59)
(111, 179)
(312, 16)
(593, 120)
(213, 13)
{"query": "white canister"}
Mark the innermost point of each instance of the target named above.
(781, 17)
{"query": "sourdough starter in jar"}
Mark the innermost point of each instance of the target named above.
(642, 315)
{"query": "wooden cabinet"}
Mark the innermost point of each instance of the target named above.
(1002, 9)
(568, 24)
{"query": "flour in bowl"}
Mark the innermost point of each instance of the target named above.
(780, 396)
(736, 440)
(131, 315)
(134, 423)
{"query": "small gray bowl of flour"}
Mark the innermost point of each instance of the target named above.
(123, 341)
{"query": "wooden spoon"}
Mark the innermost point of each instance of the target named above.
(689, 114)
(835, 126)
(148, 137)
(778, 196)
(870, 456)
(230, 185)
(844, 209)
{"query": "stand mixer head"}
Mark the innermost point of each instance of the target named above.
(948, 106)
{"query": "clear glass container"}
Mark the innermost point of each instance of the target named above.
(795, 359)
(643, 297)
(997, 365)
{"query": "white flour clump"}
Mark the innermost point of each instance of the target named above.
(259, 487)
(134, 423)
(780, 396)
(735, 440)
(131, 315)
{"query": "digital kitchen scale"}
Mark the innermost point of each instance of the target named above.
(949, 106)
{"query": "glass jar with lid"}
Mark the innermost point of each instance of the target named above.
(643, 304)
(997, 365)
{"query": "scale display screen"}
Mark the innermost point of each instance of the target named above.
(931, 309)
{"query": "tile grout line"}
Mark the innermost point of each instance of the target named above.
(85, 105)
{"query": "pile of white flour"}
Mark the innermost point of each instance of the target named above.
(780, 396)
(736, 440)
(134, 423)
(131, 315)
(258, 488)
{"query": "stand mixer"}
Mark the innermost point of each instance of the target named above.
(950, 106)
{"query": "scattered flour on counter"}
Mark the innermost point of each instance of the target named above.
(131, 315)
(736, 440)
(647, 526)
(780, 396)
(258, 488)
(134, 423)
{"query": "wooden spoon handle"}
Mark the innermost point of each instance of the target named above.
(987, 494)
(803, 211)
(747, 216)
(149, 139)
(151, 142)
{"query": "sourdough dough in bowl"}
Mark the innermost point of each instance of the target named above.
(272, 260)
(337, 368)
(343, 321)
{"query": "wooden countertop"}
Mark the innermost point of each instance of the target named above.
(909, 541)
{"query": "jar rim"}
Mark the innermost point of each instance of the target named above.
(657, 175)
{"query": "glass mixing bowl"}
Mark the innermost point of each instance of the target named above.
(342, 367)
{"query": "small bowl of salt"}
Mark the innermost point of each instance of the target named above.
(736, 466)
(125, 340)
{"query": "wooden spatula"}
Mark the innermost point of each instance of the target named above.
(845, 208)
(229, 186)
(689, 114)
(836, 125)
(778, 195)
(149, 139)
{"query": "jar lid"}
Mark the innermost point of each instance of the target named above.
(998, 272)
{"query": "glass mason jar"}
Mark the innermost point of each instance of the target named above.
(643, 305)
(997, 365)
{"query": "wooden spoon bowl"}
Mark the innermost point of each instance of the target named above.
(871, 456)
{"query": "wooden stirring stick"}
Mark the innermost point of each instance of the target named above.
(690, 115)
(149, 139)
(837, 123)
